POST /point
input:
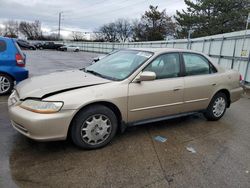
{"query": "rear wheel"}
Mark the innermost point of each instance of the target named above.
(217, 107)
(94, 127)
(6, 84)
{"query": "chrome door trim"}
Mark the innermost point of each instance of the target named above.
(196, 100)
(165, 105)
(157, 106)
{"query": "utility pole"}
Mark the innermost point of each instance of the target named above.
(59, 25)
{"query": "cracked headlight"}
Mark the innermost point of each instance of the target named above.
(43, 107)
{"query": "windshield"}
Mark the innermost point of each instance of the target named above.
(119, 65)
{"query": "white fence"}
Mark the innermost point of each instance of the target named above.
(224, 49)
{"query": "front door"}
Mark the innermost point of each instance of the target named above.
(160, 97)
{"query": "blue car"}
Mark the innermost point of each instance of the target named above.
(12, 63)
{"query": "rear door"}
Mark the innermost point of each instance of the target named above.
(160, 97)
(200, 80)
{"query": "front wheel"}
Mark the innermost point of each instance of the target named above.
(217, 107)
(6, 84)
(94, 127)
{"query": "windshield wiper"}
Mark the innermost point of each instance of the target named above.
(94, 72)
(98, 74)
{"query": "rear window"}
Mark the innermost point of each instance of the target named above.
(3, 46)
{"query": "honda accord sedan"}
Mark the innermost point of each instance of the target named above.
(126, 88)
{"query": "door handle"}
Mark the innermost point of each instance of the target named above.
(176, 89)
(214, 84)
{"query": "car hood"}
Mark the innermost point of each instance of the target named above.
(41, 86)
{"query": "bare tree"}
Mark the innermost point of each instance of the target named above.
(123, 29)
(120, 30)
(78, 36)
(2, 33)
(11, 29)
(109, 32)
(31, 30)
(37, 29)
(98, 36)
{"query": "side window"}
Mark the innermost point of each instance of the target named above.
(3, 46)
(197, 65)
(165, 66)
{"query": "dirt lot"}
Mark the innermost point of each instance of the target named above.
(133, 159)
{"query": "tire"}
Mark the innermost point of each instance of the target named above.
(217, 107)
(6, 84)
(77, 50)
(94, 127)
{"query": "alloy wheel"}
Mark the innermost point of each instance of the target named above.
(219, 106)
(4, 84)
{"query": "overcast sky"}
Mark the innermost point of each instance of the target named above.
(82, 15)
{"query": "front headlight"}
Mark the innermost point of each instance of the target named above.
(43, 107)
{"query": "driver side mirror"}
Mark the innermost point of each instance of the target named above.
(146, 76)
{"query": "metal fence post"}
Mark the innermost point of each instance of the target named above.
(203, 45)
(190, 45)
(232, 65)
(248, 62)
(221, 46)
(209, 49)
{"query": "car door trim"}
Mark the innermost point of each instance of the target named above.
(157, 106)
(196, 100)
(166, 105)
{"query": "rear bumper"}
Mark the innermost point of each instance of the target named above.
(19, 73)
(235, 94)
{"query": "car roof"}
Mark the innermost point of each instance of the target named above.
(163, 50)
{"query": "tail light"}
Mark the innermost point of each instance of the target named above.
(241, 78)
(19, 60)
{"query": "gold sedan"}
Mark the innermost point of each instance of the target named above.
(125, 88)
